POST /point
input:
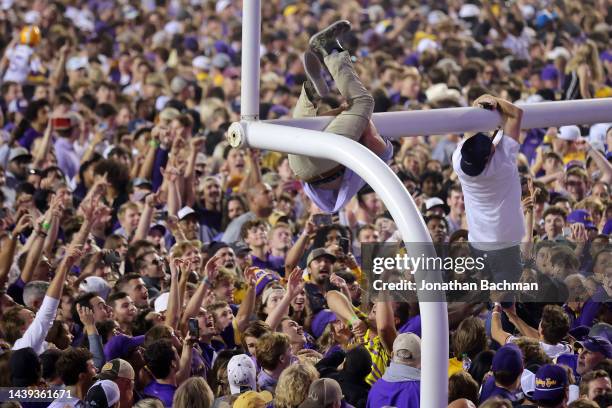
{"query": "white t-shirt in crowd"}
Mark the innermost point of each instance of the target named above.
(20, 63)
(493, 198)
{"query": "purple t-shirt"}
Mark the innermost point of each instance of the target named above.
(395, 394)
(164, 392)
(28, 138)
(333, 200)
(490, 390)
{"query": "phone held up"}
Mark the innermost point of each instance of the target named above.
(194, 328)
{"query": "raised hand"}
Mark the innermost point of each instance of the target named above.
(210, 269)
(295, 282)
(86, 315)
(170, 173)
(24, 222)
(153, 199)
(486, 100)
(196, 143)
(73, 254)
(338, 281)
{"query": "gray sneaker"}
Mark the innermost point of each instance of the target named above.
(314, 73)
(326, 41)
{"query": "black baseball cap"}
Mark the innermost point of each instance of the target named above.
(475, 154)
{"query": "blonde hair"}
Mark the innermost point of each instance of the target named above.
(193, 393)
(587, 54)
(181, 248)
(293, 384)
(149, 403)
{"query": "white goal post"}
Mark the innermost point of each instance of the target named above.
(305, 137)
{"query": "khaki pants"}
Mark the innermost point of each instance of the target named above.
(351, 123)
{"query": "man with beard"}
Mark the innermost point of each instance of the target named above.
(320, 264)
(224, 255)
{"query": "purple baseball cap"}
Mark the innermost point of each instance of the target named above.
(508, 358)
(597, 344)
(262, 278)
(550, 383)
(581, 216)
(321, 319)
(549, 73)
(121, 345)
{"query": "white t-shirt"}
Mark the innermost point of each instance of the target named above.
(493, 198)
(20, 63)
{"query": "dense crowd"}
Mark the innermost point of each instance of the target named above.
(144, 262)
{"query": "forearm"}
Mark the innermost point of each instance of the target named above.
(33, 257)
(57, 284)
(385, 324)
(195, 303)
(497, 333)
(174, 199)
(184, 365)
(43, 150)
(147, 166)
(173, 303)
(52, 237)
(341, 306)
(247, 307)
(296, 252)
(143, 224)
(6, 259)
(281, 310)
(523, 327)
(602, 164)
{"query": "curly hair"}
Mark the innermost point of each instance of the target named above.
(293, 384)
(555, 324)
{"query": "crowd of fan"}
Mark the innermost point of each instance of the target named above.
(144, 262)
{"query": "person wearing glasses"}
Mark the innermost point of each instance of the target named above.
(329, 184)
(487, 170)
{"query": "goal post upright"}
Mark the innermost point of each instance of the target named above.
(251, 132)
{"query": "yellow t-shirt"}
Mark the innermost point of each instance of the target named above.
(580, 156)
(380, 357)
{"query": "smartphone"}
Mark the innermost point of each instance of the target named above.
(507, 300)
(567, 231)
(194, 328)
(322, 219)
(344, 245)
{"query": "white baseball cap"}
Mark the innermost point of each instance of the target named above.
(184, 212)
(569, 133)
(241, 374)
(161, 302)
(103, 394)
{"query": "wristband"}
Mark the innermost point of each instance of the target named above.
(41, 233)
(154, 143)
(45, 225)
(352, 321)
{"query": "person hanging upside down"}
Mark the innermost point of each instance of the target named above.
(328, 184)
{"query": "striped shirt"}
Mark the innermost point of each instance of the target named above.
(380, 357)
